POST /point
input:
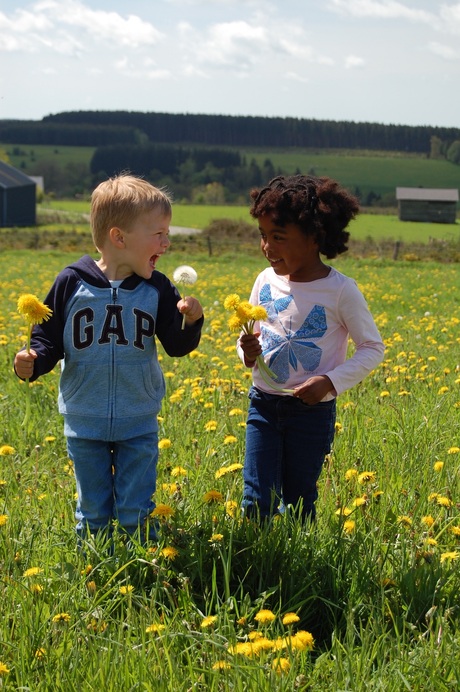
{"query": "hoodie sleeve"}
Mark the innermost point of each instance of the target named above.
(47, 338)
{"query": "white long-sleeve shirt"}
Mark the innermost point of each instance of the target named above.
(307, 330)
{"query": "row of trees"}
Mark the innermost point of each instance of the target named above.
(97, 128)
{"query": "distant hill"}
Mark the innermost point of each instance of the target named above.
(102, 128)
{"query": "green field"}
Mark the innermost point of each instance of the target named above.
(376, 226)
(368, 600)
(381, 172)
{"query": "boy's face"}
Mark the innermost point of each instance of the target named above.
(143, 242)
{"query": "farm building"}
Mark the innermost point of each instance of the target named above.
(17, 197)
(427, 204)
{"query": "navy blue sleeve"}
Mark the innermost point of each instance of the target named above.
(175, 340)
(47, 338)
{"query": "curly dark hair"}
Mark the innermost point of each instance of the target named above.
(319, 206)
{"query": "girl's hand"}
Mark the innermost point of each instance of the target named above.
(251, 348)
(314, 389)
(191, 308)
(24, 363)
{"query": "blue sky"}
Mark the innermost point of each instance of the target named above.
(385, 61)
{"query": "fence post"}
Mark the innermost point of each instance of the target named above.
(396, 250)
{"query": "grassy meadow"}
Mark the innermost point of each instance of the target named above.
(368, 599)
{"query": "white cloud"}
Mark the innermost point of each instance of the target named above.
(352, 61)
(444, 51)
(64, 26)
(381, 9)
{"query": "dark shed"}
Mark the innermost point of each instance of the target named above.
(17, 197)
(427, 204)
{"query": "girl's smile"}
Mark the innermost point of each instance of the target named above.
(290, 251)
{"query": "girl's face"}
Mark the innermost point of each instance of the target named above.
(290, 251)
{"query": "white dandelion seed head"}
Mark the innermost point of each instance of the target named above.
(185, 275)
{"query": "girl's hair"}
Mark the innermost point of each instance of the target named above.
(118, 201)
(319, 206)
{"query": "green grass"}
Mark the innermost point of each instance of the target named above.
(381, 172)
(25, 156)
(379, 596)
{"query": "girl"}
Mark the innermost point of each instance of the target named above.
(312, 310)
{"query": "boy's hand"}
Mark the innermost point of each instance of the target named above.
(24, 363)
(251, 348)
(191, 308)
(314, 389)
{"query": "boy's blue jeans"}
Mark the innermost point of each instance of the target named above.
(286, 442)
(115, 480)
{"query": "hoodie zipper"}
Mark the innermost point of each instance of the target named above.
(112, 373)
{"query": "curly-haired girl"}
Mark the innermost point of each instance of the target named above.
(312, 310)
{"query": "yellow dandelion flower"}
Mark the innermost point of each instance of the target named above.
(349, 526)
(4, 670)
(156, 628)
(169, 552)
(302, 640)
(224, 470)
(428, 521)
(208, 621)
(281, 665)
(61, 617)
(178, 471)
(212, 496)
(126, 589)
(231, 507)
(40, 654)
(338, 427)
(232, 301)
(164, 444)
(450, 556)
(235, 412)
(230, 439)
(404, 520)
(210, 426)
(3, 519)
(234, 323)
(443, 390)
(360, 501)
(91, 587)
(258, 313)
(216, 538)
(36, 589)
(163, 511)
(384, 394)
(32, 572)
(366, 477)
(6, 450)
(290, 619)
(350, 474)
(221, 665)
(444, 501)
(453, 450)
(343, 512)
(264, 616)
(244, 311)
(33, 309)
(455, 530)
(438, 466)
(431, 542)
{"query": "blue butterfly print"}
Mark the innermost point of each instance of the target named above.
(273, 306)
(295, 347)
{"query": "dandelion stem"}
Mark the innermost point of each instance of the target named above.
(268, 376)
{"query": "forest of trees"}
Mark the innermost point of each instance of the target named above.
(96, 128)
(197, 155)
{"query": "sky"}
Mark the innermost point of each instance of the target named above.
(383, 61)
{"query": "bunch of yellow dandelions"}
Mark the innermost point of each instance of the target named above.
(35, 312)
(243, 320)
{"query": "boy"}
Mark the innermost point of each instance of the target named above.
(105, 316)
